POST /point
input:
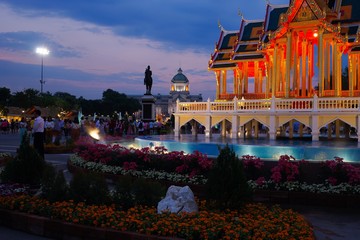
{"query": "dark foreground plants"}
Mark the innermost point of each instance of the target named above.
(131, 206)
(253, 221)
(27, 166)
(227, 185)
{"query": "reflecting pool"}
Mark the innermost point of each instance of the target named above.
(263, 148)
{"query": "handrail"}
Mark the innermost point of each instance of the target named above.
(339, 104)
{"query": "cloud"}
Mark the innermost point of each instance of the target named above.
(108, 43)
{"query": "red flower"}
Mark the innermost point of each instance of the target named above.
(129, 166)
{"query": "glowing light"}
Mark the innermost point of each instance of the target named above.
(94, 133)
(42, 51)
(315, 34)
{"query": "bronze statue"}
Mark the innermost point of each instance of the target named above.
(148, 80)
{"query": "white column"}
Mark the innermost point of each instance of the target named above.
(315, 127)
(272, 128)
(315, 120)
(235, 127)
(177, 126)
(208, 127)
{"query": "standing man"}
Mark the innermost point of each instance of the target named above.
(38, 133)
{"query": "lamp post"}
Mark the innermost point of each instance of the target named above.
(43, 52)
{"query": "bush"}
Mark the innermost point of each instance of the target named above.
(123, 196)
(90, 188)
(129, 193)
(227, 185)
(147, 193)
(27, 167)
(54, 187)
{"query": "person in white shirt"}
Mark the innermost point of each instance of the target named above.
(38, 133)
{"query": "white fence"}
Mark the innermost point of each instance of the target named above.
(314, 104)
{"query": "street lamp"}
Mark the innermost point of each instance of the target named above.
(43, 52)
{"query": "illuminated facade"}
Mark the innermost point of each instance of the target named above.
(300, 64)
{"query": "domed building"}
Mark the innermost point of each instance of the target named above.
(179, 83)
(166, 104)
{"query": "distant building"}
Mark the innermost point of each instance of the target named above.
(179, 90)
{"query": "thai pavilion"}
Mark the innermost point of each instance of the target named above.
(295, 72)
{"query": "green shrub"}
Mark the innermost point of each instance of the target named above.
(90, 188)
(227, 185)
(54, 186)
(123, 196)
(129, 193)
(27, 167)
(147, 192)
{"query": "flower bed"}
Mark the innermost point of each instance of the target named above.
(288, 174)
(332, 176)
(154, 163)
(330, 183)
(275, 222)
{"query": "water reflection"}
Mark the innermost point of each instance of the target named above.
(263, 148)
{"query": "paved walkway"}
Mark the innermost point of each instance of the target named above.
(331, 223)
(10, 234)
(328, 223)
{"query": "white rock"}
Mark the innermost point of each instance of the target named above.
(178, 199)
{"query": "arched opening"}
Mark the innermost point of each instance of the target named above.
(294, 129)
(254, 129)
(337, 129)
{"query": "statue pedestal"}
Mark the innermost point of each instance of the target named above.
(148, 107)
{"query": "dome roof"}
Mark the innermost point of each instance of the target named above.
(179, 77)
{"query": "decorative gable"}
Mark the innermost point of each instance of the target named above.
(304, 13)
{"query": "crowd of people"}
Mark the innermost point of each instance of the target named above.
(9, 127)
(57, 131)
(121, 127)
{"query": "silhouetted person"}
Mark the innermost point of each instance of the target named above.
(148, 80)
(38, 133)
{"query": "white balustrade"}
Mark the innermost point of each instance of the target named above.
(280, 105)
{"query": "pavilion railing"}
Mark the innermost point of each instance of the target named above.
(314, 104)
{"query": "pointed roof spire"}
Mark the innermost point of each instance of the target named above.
(240, 14)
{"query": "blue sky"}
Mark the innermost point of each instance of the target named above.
(100, 44)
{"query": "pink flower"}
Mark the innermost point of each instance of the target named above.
(332, 181)
(260, 181)
(129, 166)
(252, 161)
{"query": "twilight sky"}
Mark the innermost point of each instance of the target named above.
(100, 44)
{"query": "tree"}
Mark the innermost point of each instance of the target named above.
(227, 185)
(114, 101)
(5, 96)
(27, 98)
(66, 101)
